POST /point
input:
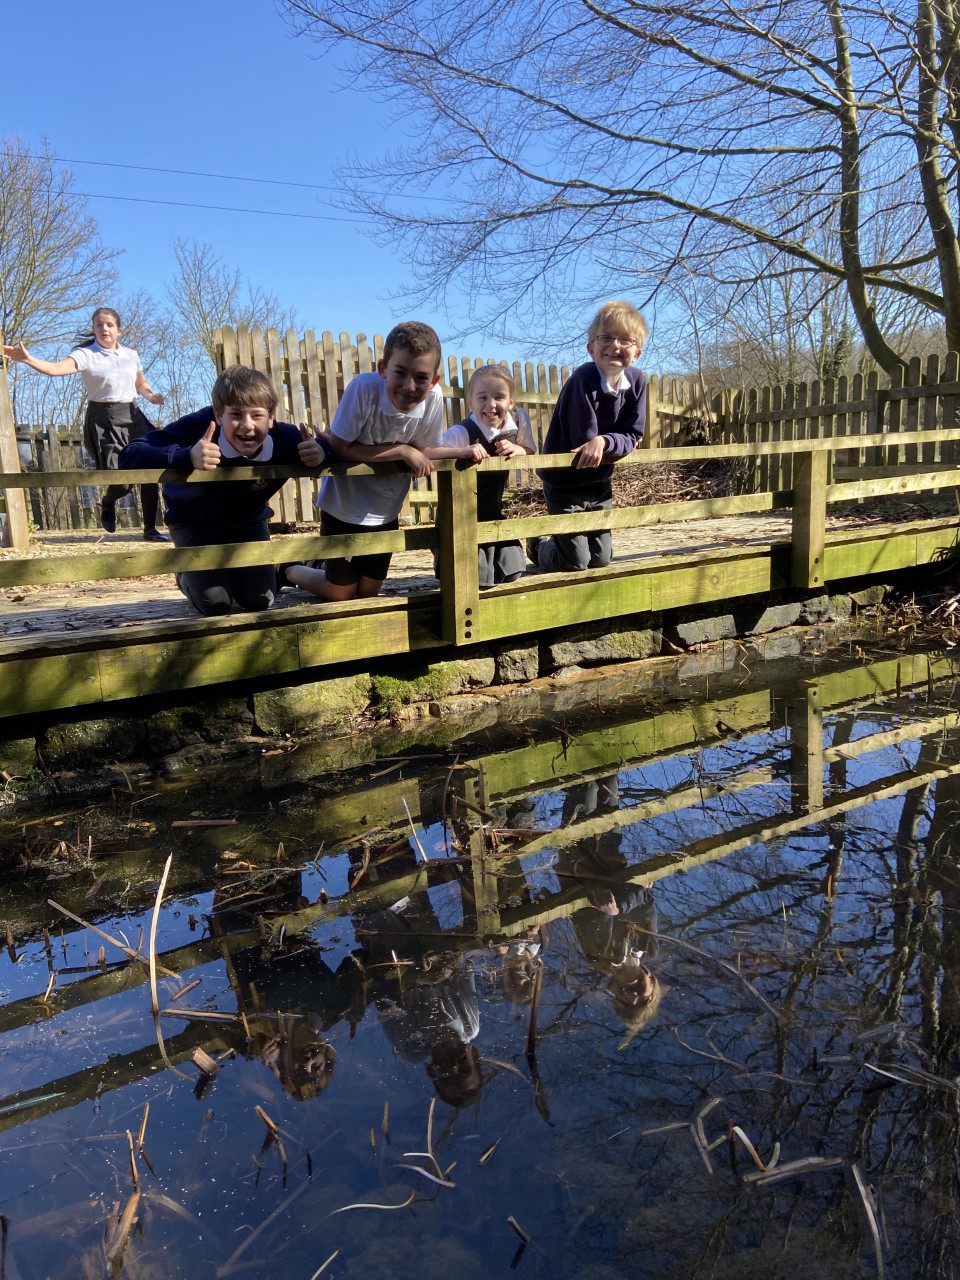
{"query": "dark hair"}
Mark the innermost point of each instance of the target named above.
(244, 388)
(88, 339)
(413, 336)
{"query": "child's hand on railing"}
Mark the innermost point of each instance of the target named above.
(205, 455)
(418, 462)
(508, 448)
(591, 453)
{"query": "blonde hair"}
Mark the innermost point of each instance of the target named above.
(631, 1008)
(617, 314)
(493, 371)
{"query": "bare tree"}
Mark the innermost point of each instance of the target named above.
(53, 267)
(615, 142)
(206, 294)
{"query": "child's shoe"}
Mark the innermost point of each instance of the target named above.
(108, 516)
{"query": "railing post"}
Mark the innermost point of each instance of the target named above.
(17, 531)
(458, 568)
(809, 518)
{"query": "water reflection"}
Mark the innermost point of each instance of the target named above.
(675, 990)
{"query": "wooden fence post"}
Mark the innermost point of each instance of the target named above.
(809, 517)
(458, 568)
(652, 437)
(16, 529)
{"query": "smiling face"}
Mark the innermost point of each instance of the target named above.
(408, 377)
(246, 429)
(490, 401)
(613, 352)
(106, 329)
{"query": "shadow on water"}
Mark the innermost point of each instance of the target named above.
(617, 989)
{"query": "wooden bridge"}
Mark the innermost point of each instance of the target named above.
(121, 651)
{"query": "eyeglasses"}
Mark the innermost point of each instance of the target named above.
(612, 340)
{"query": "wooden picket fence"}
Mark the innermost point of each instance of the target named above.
(310, 375)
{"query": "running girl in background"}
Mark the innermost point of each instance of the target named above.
(113, 378)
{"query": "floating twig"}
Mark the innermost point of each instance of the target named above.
(200, 1015)
(425, 1173)
(505, 1066)
(736, 1131)
(143, 1126)
(518, 1229)
(154, 1001)
(413, 829)
(320, 1270)
(809, 1164)
(362, 870)
(433, 1106)
(133, 1162)
(488, 1154)
(117, 1238)
(272, 1125)
(702, 1148)
(864, 1197)
(204, 822)
(178, 995)
(205, 1064)
(534, 1006)
(405, 1205)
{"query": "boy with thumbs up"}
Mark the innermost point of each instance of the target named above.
(239, 429)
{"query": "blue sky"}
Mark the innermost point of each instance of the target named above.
(217, 87)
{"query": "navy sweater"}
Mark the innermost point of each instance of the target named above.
(210, 504)
(584, 410)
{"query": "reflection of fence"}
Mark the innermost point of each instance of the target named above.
(498, 875)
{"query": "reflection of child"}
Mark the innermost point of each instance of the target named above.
(599, 417)
(617, 932)
(293, 1049)
(438, 1020)
(519, 966)
(492, 431)
(238, 430)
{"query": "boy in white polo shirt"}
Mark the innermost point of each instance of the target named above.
(393, 415)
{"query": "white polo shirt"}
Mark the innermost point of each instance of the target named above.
(366, 415)
(108, 375)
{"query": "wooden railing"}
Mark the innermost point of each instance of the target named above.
(457, 532)
(311, 372)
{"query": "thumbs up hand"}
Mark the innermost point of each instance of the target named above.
(205, 455)
(312, 450)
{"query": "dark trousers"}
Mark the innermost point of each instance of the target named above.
(569, 551)
(216, 591)
(107, 428)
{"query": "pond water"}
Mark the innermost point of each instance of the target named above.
(633, 985)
